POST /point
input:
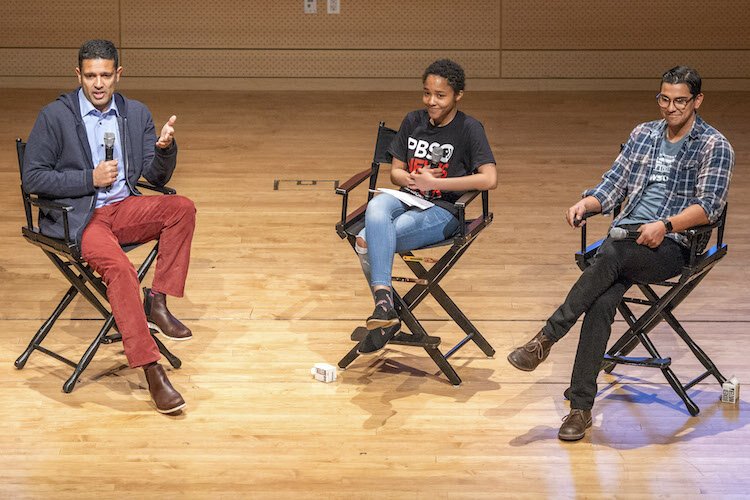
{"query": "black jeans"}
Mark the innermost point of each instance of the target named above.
(616, 266)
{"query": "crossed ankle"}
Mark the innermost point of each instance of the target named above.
(383, 295)
(548, 336)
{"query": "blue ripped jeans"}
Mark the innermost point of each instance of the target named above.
(392, 227)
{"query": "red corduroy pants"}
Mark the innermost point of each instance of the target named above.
(138, 219)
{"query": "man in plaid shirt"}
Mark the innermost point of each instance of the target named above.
(675, 175)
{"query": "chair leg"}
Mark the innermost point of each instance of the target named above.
(417, 336)
(697, 351)
(677, 386)
(626, 343)
(420, 334)
(444, 366)
(350, 356)
(173, 360)
(670, 376)
(417, 293)
(88, 355)
(622, 347)
(461, 320)
(407, 317)
(629, 340)
(358, 334)
(46, 327)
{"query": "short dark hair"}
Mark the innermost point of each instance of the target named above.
(450, 70)
(98, 49)
(686, 75)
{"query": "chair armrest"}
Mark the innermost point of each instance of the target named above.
(158, 189)
(352, 218)
(50, 204)
(584, 246)
(344, 190)
(353, 181)
(698, 230)
(478, 223)
(699, 236)
(466, 198)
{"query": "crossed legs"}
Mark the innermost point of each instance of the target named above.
(139, 219)
(597, 293)
(392, 227)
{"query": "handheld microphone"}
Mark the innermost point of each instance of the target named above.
(109, 149)
(436, 154)
(109, 146)
(620, 233)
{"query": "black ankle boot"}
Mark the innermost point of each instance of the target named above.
(384, 315)
(376, 339)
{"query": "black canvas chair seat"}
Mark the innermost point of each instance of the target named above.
(660, 307)
(427, 281)
(66, 257)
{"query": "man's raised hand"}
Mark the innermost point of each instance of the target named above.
(167, 133)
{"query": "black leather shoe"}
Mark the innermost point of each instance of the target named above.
(376, 339)
(574, 425)
(530, 355)
(159, 317)
(165, 397)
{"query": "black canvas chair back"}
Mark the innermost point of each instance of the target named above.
(426, 281)
(66, 257)
(661, 306)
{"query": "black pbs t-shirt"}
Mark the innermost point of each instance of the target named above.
(463, 141)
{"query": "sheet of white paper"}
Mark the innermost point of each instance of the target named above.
(409, 199)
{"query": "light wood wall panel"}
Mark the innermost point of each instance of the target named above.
(193, 63)
(632, 24)
(594, 64)
(388, 24)
(59, 23)
(384, 45)
(38, 62)
(300, 63)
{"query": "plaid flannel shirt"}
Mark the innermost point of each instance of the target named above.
(701, 177)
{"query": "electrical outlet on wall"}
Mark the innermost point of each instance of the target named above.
(334, 6)
(311, 6)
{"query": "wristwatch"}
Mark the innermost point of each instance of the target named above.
(667, 224)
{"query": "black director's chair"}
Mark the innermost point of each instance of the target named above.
(66, 257)
(427, 281)
(661, 308)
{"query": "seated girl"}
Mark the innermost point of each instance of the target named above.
(438, 154)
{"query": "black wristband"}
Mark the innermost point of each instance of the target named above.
(667, 224)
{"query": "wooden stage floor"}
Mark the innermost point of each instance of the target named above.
(272, 290)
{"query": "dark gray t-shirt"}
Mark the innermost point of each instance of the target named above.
(463, 141)
(649, 206)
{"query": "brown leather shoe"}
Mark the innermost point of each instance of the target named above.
(166, 398)
(530, 355)
(574, 425)
(159, 317)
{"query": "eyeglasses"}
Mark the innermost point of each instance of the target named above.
(679, 102)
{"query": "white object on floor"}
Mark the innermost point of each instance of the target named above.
(730, 391)
(323, 372)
